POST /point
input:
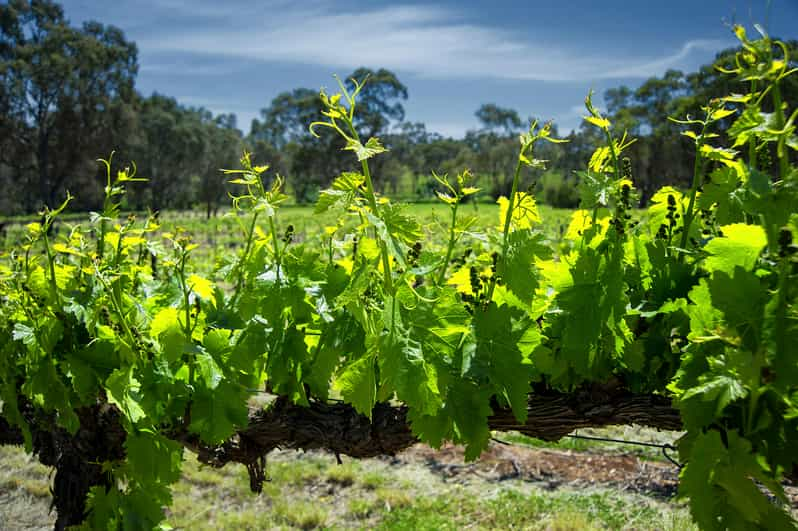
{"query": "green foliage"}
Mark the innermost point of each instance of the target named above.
(679, 303)
(65, 90)
(556, 190)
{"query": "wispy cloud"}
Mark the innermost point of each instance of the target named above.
(203, 70)
(657, 66)
(214, 104)
(421, 40)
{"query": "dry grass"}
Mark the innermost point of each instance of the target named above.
(308, 491)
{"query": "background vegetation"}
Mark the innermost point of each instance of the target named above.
(67, 96)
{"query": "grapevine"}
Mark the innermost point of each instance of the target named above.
(685, 318)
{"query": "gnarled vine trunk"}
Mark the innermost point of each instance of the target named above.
(336, 428)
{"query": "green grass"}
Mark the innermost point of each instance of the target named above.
(620, 433)
(24, 491)
(310, 491)
(513, 509)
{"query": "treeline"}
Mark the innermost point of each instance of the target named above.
(67, 97)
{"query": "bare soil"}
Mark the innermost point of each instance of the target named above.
(552, 468)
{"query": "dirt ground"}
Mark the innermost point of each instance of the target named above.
(552, 468)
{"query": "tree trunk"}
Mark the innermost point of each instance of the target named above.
(339, 429)
(42, 160)
(77, 458)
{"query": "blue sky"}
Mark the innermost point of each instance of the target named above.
(538, 57)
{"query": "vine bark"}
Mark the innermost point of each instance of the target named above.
(335, 427)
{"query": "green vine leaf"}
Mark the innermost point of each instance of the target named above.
(365, 152)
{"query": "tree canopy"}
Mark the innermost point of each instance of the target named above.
(67, 97)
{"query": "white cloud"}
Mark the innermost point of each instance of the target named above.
(209, 103)
(169, 69)
(658, 66)
(450, 128)
(425, 41)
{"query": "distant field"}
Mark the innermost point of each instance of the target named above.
(222, 234)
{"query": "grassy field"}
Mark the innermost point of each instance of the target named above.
(221, 235)
(418, 489)
(223, 229)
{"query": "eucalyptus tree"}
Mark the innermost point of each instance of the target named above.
(313, 162)
(222, 148)
(168, 139)
(65, 96)
(493, 143)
